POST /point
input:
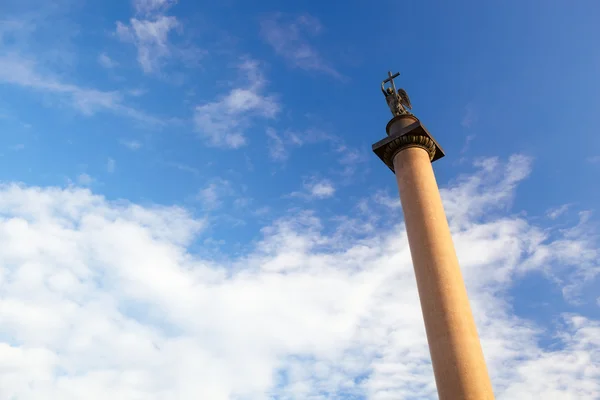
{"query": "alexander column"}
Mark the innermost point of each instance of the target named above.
(458, 363)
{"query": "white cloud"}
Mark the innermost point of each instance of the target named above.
(468, 141)
(213, 194)
(18, 71)
(315, 189)
(350, 159)
(470, 116)
(280, 146)
(106, 61)
(463, 190)
(288, 37)
(84, 179)
(184, 167)
(131, 144)
(556, 212)
(23, 72)
(277, 150)
(109, 300)
(137, 92)
(151, 33)
(111, 165)
(222, 123)
(150, 38)
(321, 189)
(549, 374)
(383, 198)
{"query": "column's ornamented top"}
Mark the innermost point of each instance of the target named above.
(397, 100)
(402, 142)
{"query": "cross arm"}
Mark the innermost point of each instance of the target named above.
(391, 80)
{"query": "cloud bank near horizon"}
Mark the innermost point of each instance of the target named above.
(106, 299)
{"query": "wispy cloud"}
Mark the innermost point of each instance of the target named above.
(491, 172)
(150, 38)
(183, 167)
(150, 31)
(17, 147)
(222, 123)
(277, 149)
(289, 38)
(280, 144)
(131, 144)
(145, 7)
(213, 195)
(350, 159)
(23, 72)
(136, 92)
(470, 116)
(107, 62)
(383, 198)
(467, 144)
(111, 165)
(556, 212)
(593, 160)
(85, 179)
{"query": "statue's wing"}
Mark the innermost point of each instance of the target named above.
(404, 100)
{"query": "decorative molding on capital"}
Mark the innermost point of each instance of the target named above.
(406, 131)
(404, 142)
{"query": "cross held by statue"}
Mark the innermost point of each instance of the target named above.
(391, 79)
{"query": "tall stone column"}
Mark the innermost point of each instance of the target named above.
(458, 363)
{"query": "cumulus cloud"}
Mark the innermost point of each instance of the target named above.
(105, 299)
(289, 38)
(222, 123)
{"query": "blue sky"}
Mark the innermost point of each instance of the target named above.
(205, 175)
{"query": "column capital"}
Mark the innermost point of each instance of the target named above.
(405, 141)
(403, 133)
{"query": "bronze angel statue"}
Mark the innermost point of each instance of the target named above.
(398, 102)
